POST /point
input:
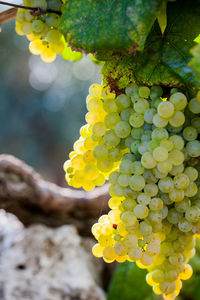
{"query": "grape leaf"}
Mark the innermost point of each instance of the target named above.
(108, 24)
(195, 61)
(165, 57)
(128, 283)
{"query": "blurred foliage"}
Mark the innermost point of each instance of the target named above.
(129, 283)
(42, 105)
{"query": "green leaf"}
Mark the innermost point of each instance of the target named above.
(166, 56)
(195, 61)
(69, 54)
(114, 25)
(129, 283)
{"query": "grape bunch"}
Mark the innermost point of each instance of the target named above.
(42, 29)
(145, 142)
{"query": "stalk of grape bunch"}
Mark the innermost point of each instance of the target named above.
(142, 142)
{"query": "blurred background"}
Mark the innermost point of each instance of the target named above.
(42, 106)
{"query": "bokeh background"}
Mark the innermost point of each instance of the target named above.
(42, 106)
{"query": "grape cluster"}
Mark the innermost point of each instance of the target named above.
(146, 143)
(42, 30)
(98, 151)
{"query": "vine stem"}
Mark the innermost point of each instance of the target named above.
(11, 13)
(8, 15)
(32, 199)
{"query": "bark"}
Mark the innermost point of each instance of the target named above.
(27, 195)
(8, 15)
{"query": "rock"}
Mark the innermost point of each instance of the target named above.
(49, 264)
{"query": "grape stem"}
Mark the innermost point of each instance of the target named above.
(36, 11)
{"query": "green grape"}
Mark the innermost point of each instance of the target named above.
(131, 89)
(159, 122)
(125, 166)
(151, 189)
(100, 152)
(122, 129)
(53, 20)
(125, 114)
(177, 119)
(164, 166)
(193, 148)
(145, 228)
(111, 139)
(118, 190)
(137, 183)
(144, 91)
(137, 133)
(166, 185)
(54, 36)
(159, 134)
(153, 144)
(123, 101)
(160, 154)
(114, 155)
(156, 204)
(141, 105)
(128, 218)
(192, 214)
(143, 147)
(158, 276)
(176, 195)
(184, 225)
(177, 170)
(177, 141)
(113, 177)
(165, 109)
(136, 120)
(194, 106)
(123, 180)
(176, 157)
(149, 114)
(135, 253)
(137, 168)
(129, 204)
(196, 123)
(143, 198)
(111, 120)
(192, 173)
(128, 141)
(37, 26)
(181, 181)
(134, 146)
(99, 129)
(179, 101)
(148, 161)
(190, 133)
(141, 211)
(146, 136)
